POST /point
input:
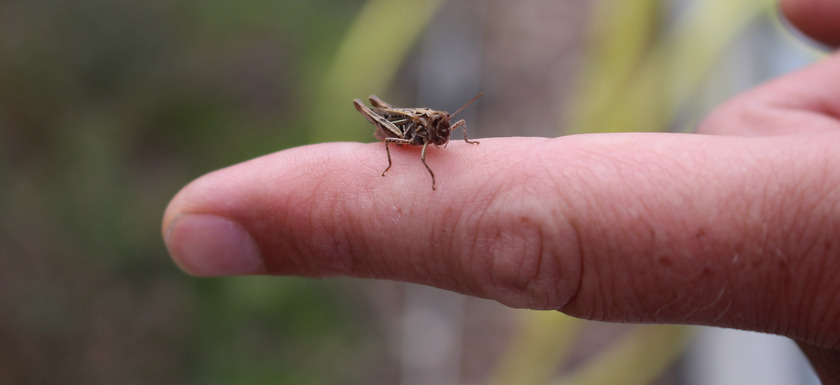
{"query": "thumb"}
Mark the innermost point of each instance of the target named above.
(815, 18)
(805, 101)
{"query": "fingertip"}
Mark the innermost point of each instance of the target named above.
(208, 245)
(252, 217)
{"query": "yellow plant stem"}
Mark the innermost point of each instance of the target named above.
(366, 62)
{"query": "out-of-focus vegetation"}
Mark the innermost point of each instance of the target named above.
(107, 108)
(366, 62)
(645, 64)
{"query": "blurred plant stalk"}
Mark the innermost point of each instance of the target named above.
(639, 73)
(366, 62)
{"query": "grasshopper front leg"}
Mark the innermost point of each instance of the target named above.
(423, 158)
(461, 123)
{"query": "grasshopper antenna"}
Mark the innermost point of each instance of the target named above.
(468, 103)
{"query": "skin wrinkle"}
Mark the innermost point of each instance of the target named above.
(806, 302)
(331, 247)
(325, 222)
(583, 203)
(777, 292)
(821, 314)
(535, 285)
(315, 228)
(375, 260)
(443, 258)
(542, 275)
(765, 210)
(774, 261)
(263, 244)
(383, 216)
(637, 215)
(296, 217)
(278, 219)
(814, 277)
(591, 268)
(533, 270)
(483, 243)
(480, 240)
(639, 280)
(424, 269)
(448, 226)
(596, 281)
(288, 221)
(605, 271)
(641, 218)
(469, 243)
(524, 261)
(831, 320)
(545, 282)
(345, 237)
(573, 253)
(455, 253)
(513, 265)
(744, 223)
(824, 320)
(473, 260)
(831, 244)
(576, 247)
(804, 208)
(447, 256)
(803, 327)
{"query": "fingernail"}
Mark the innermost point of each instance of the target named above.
(208, 245)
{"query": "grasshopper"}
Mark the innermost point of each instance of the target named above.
(411, 126)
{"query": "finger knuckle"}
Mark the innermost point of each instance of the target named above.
(531, 260)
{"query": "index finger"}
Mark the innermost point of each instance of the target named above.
(623, 227)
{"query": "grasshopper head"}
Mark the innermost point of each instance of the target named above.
(440, 129)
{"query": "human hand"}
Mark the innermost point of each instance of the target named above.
(738, 229)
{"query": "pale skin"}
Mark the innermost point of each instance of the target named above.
(735, 226)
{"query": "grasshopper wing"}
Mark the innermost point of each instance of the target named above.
(376, 102)
(384, 128)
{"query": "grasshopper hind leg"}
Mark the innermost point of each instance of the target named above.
(398, 141)
(387, 151)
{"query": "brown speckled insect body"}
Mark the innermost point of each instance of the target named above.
(411, 126)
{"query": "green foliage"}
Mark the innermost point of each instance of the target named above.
(366, 61)
(639, 77)
(107, 108)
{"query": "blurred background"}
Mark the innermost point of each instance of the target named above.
(109, 107)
